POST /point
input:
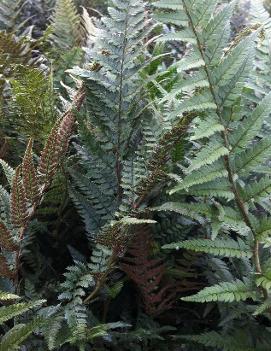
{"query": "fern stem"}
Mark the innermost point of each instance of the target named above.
(120, 110)
(102, 280)
(237, 195)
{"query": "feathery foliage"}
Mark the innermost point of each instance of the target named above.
(151, 229)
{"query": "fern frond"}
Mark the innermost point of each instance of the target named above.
(100, 259)
(4, 296)
(251, 125)
(169, 5)
(18, 201)
(224, 292)
(217, 34)
(29, 175)
(18, 334)
(233, 70)
(32, 110)
(66, 25)
(201, 176)
(220, 189)
(264, 307)
(262, 227)
(246, 161)
(195, 211)
(218, 247)
(208, 155)
(9, 312)
(147, 273)
(57, 142)
(264, 280)
(8, 171)
(206, 127)
(255, 191)
(217, 340)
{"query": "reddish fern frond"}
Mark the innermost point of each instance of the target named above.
(5, 271)
(55, 148)
(49, 156)
(29, 173)
(18, 201)
(65, 132)
(29, 185)
(6, 239)
(148, 274)
(57, 142)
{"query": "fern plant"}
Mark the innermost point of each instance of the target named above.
(226, 169)
(168, 170)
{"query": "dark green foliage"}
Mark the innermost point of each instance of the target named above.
(135, 181)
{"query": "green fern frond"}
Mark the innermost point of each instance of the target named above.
(206, 127)
(13, 339)
(246, 161)
(224, 292)
(251, 125)
(264, 280)
(234, 69)
(66, 25)
(217, 34)
(32, 105)
(169, 5)
(100, 258)
(219, 341)
(264, 307)
(255, 191)
(9, 312)
(195, 211)
(231, 219)
(184, 35)
(136, 221)
(218, 247)
(8, 171)
(201, 176)
(262, 227)
(208, 155)
(197, 103)
(4, 296)
(220, 189)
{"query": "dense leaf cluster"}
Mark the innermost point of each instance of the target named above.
(135, 175)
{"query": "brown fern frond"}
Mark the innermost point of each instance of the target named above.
(18, 201)
(6, 239)
(148, 273)
(5, 271)
(57, 142)
(49, 157)
(160, 157)
(65, 132)
(29, 174)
